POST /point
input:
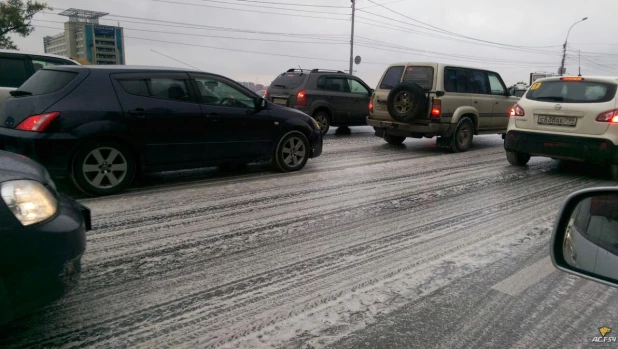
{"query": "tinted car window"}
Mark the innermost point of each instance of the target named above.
(47, 81)
(495, 85)
(214, 92)
(13, 72)
(456, 80)
(423, 76)
(478, 82)
(336, 85)
(137, 87)
(40, 63)
(391, 78)
(357, 87)
(289, 80)
(167, 88)
(572, 91)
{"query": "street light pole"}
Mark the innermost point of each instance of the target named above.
(564, 47)
(352, 38)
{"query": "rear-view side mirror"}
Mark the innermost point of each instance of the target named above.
(371, 91)
(585, 237)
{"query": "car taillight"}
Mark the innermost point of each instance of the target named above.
(517, 111)
(301, 99)
(609, 116)
(371, 103)
(436, 108)
(37, 123)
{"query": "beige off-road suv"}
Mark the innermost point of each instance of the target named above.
(439, 100)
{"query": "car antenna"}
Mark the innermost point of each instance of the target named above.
(177, 60)
(301, 70)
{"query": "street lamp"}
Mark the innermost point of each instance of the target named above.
(565, 46)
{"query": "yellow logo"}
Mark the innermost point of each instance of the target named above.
(604, 331)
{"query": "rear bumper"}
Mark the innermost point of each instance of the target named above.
(419, 128)
(588, 149)
(52, 150)
(41, 263)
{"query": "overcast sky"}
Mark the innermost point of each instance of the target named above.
(528, 34)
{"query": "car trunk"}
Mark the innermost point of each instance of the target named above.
(285, 87)
(38, 94)
(422, 74)
(568, 106)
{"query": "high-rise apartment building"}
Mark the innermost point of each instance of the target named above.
(85, 38)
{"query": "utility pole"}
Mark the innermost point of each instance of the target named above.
(580, 62)
(564, 47)
(352, 38)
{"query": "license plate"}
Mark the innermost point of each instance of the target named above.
(557, 120)
(280, 101)
(381, 106)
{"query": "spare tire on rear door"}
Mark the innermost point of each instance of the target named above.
(406, 102)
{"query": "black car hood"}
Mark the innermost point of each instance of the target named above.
(279, 110)
(14, 166)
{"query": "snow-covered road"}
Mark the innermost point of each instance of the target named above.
(366, 237)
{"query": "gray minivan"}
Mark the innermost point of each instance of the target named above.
(17, 66)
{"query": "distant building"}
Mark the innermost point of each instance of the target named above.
(84, 38)
(259, 87)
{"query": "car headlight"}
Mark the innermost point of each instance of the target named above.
(29, 201)
(315, 124)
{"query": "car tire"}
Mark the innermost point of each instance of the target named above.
(394, 140)
(517, 159)
(292, 152)
(462, 139)
(323, 120)
(103, 168)
(407, 102)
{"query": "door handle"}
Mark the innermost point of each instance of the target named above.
(330, 97)
(210, 116)
(355, 99)
(497, 102)
(476, 102)
(138, 112)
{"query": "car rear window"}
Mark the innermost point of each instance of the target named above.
(572, 91)
(289, 81)
(391, 78)
(47, 81)
(423, 76)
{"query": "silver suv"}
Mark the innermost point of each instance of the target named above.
(439, 100)
(17, 66)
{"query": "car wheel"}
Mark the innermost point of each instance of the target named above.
(517, 159)
(323, 120)
(406, 102)
(292, 152)
(394, 140)
(103, 168)
(462, 139)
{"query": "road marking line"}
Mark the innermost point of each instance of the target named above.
(526, 277)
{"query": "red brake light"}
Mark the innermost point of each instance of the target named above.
(572, 78)
(517, 111)
(436, 108)
(265, 93)
(609, 116)
(371, 103)
(301, 99)
(37, 123)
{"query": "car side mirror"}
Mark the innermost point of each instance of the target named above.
(371, 91)
(439, 93)
(260, 103)
(585, 237)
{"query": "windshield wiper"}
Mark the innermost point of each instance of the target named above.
(18, 93)
(551, 98)
(282, 86)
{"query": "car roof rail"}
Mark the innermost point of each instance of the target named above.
(291, 70)
(326, 70)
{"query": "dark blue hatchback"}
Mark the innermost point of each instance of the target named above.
(42, 238)
(102, 125)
